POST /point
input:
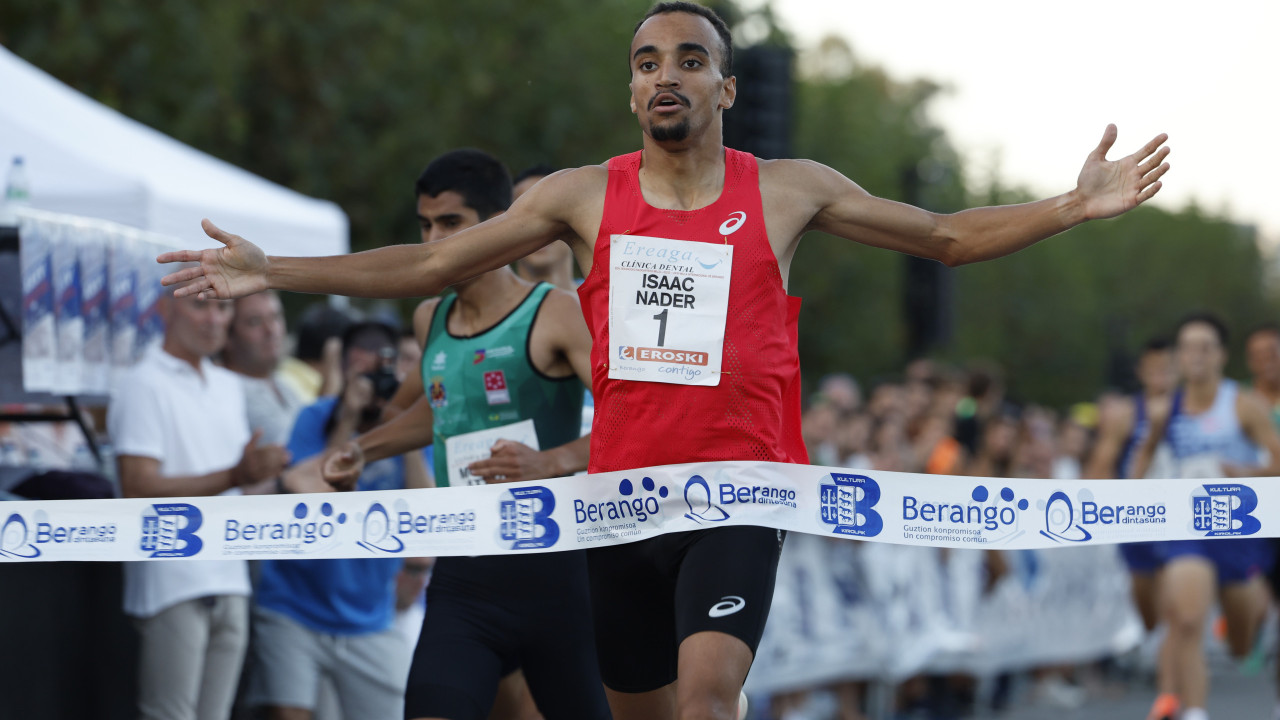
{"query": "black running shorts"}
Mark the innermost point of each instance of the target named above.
(648, 596)
(488, 616)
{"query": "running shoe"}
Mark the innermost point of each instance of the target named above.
(1165, 707)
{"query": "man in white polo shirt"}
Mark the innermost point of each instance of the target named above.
(192, 616)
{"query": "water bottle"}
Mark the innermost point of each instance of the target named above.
(17, 193)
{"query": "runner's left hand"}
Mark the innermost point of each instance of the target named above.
(1110, 187)
(512, 462)
(305, 477)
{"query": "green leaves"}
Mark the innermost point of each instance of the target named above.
(348, 101)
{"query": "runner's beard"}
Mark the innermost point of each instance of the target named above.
(676, 132)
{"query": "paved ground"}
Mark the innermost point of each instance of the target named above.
(1115, 694)
(1233, 697)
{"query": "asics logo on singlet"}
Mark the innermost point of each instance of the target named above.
(1225, 510)
(735, 221)
(728, 605)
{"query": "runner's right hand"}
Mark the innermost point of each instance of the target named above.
(235, 270)
(342, 466)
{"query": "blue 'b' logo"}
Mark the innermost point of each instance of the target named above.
(170, 530)
(526, 518)
(848, 505)
(1225, 511)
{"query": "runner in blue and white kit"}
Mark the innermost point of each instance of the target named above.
(1216, 429)
(1121, 431)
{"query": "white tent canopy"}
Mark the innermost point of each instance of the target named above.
(87, 159)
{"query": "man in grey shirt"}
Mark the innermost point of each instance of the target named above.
(255, 347)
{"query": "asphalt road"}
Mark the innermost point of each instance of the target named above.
(1232, 696)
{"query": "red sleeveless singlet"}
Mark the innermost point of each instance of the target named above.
(754, 413)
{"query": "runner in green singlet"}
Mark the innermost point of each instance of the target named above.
(503, 366)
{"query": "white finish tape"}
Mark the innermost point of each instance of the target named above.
(587, 511)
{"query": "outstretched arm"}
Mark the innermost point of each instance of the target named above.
(1105, 188)
(240, 268)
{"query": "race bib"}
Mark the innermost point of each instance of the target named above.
(462, 450)
(668, 301)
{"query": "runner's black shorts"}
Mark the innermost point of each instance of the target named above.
(488, 616)
(648, 596)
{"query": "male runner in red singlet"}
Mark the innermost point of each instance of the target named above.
(671, 641)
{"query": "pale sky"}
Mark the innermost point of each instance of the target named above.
(1035, 83)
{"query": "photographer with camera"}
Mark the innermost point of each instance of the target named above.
(333, 620)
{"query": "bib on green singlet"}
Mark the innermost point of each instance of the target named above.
(467, 448)
(487, 381)
(668, 303)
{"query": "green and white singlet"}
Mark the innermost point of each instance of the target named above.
(487, 380)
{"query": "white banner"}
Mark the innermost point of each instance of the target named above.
(90, 290)
(587, 511)
(875, 611)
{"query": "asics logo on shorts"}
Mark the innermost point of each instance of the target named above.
(735, 221)
(728, 605)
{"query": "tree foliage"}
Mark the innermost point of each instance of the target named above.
(1065, 317)
(347, 101)
(875, 130)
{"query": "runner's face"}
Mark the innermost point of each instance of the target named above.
(677, 90)
(1262, 353)
(1156, 372)
(444, 215)
(1201, 356)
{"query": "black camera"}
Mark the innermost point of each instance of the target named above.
(384, 382)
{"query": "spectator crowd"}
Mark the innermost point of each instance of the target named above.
(333, 638)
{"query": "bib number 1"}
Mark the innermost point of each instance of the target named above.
(662, 329)
(684, 287)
